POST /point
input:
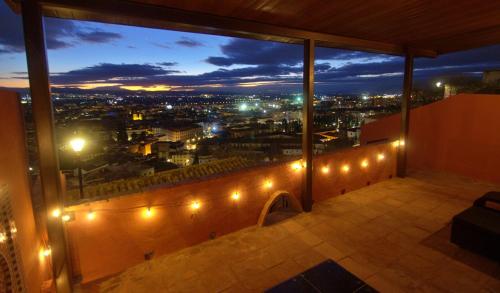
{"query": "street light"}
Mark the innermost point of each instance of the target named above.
(77, 145)
(439, 84)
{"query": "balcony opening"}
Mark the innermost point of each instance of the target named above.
(280, 206)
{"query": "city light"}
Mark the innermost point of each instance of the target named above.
(56, 213)
(439, 84)
(325, 169)
(243, 107)
(77, 144)
(90, 215)
(346, 168)
(380, 157)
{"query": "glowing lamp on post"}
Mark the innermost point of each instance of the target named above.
(439, 84)
(77, 144)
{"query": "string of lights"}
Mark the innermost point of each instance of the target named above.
(235, 196)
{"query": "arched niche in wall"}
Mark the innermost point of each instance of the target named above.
(280, 206)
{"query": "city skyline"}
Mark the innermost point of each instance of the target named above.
(87, 55)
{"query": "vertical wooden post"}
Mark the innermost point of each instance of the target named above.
(307, 124)
(44, 126)
(405, 115)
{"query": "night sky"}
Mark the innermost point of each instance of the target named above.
(89, 55)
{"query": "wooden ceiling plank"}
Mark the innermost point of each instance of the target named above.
(133, 13)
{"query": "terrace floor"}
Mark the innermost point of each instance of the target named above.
(393, 235)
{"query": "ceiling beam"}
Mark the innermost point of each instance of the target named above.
(145, 15)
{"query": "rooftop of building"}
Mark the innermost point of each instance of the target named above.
(160, 179)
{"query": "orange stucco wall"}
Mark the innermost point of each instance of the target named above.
(458, 135)
(120, 234)
(14, 173)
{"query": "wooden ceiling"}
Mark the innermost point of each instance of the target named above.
(428, 26)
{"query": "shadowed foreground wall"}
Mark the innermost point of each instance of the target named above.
(120, 234)
(460, 135)
(14, 174)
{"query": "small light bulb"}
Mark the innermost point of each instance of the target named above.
(296, 166)
(268, 184)
(56, 213)
(47, 251)
(380, 157)
(3, 237)
(346, 168)
(66, 218)
(195, 205)
(402, 143)
(235, 196)
(325, 169)
(364, 164)
(148, 213)
(90, 215)
(395, 143)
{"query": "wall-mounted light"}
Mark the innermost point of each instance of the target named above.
(195, 205)
(148, 212)
(346, 168)
(268, 184)
(235, 196)
(364, 164)
(90, 215)
(296, 166)
(56, 213)
(325, 169)
(380, 157)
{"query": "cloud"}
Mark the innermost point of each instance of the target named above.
(107, 72)
(59, 33)
(167, 64)
(189, 42)
(364, 74)
(164, 46)
(98, 36)
(254, 52)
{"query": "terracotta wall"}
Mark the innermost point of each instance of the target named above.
(14, 173)
(459, 135)
(120, 234)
